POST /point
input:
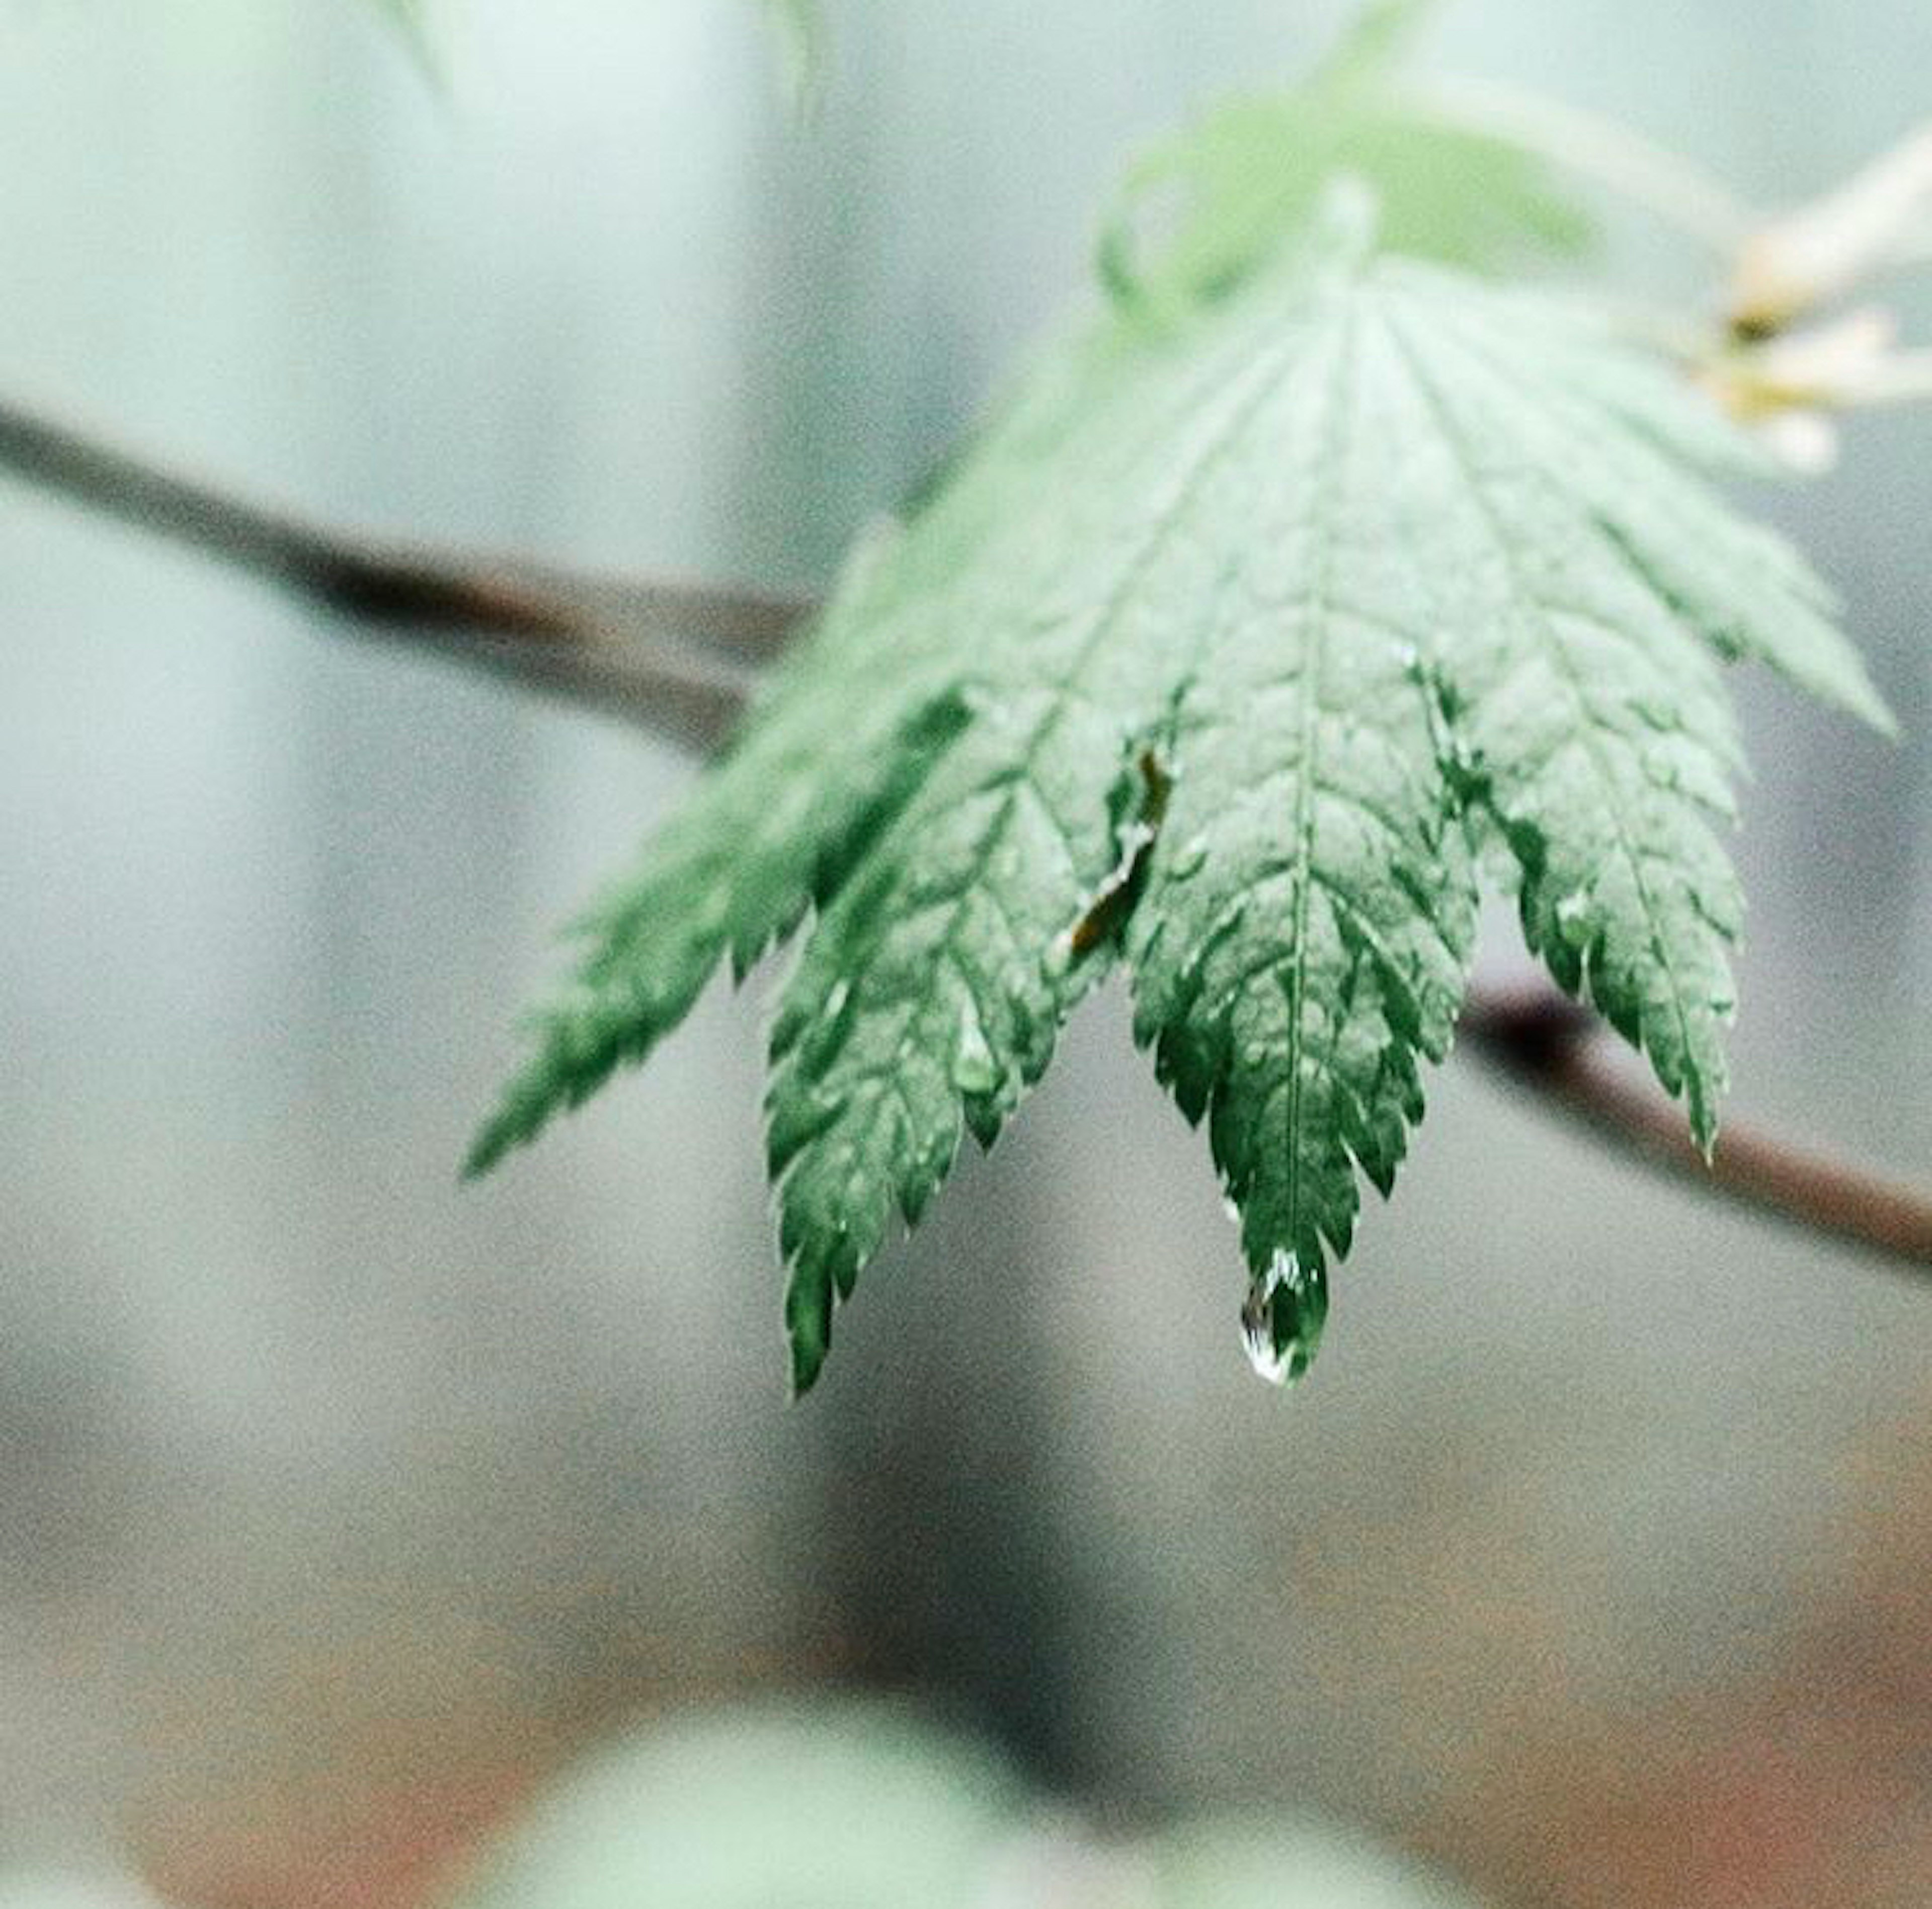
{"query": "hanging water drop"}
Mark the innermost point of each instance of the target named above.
(1282, 1319)
(1188, 859)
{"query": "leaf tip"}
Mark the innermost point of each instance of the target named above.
(498, 1135)
(1704, 1129)
(1873, 711)
(808, 1329)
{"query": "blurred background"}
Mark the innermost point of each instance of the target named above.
(338, 1505)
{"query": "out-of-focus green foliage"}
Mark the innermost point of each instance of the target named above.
(800, 27)
(61, 1888)
(1203, 210)
(845, 1808)
(1247, 1862)
(863, 1807)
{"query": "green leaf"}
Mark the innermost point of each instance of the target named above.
(867, 1805)
(1213, 655)
(862, 1805)
(1232, 190)
(1249, 1862)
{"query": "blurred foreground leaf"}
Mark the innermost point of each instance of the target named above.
(70, 1889)
(841, 1807)
(861, 1806)
(1247, 1862)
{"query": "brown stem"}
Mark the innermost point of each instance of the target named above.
(1545, 1043)
(677, 658)
(671, 655)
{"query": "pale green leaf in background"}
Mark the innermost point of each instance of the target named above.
(867, 1806)
(1214, 202)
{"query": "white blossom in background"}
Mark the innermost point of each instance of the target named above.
(1880, 218)
(1788, 388)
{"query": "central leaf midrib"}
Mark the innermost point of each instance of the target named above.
(1316, 608)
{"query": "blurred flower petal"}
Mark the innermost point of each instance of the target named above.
(1821, 250)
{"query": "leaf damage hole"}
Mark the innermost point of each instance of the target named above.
(1107, 914)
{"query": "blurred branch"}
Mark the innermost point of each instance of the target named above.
(679, 658)
(1548, 1043)
(675, 656)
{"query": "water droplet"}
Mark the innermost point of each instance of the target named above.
(1188, 858)
(974, 1068)
(1282, 1319)
(835, 1001)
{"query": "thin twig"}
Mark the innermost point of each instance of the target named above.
(673, 656)
(1547, 1042)
(677, 658)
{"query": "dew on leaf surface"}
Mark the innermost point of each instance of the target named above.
(1188, 859)
(974, 1070)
